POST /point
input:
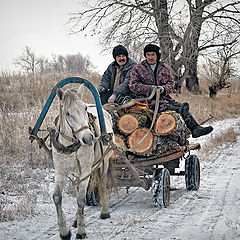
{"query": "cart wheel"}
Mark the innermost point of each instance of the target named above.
(93, 198)
(161, 187)
(192, 173)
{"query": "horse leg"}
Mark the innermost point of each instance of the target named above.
(104, 203)
(76, 215)
(75, 220)
(81, 198)
(104, 198)
(64, 231)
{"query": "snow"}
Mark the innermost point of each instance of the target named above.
(212, 212)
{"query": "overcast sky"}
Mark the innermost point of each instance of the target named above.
(41, 25)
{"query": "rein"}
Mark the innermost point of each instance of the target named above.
(97, 164)
(157, 92)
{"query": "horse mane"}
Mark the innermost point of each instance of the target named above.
(70, 96)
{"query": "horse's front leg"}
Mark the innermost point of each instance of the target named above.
(81, 199)
(64, 231)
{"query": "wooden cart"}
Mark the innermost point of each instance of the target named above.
(154, 172)
(148, 167)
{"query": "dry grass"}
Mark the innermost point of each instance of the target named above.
(21, 101)
(10, 210)
(227, 137)
(225, 105)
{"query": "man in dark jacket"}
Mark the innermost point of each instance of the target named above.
(114, 85)
(152, 72)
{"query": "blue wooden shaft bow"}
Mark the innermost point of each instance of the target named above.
(63, 82)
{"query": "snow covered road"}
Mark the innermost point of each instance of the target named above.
(211, 213)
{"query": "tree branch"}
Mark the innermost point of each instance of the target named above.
(217, 45)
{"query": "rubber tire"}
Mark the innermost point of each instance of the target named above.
(161, 187)
(93, 198)
(192, 173)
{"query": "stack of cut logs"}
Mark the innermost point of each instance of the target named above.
(132, 130)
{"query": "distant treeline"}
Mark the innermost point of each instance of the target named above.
(29, 62)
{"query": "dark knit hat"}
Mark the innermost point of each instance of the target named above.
(118, 50)
(152, 48)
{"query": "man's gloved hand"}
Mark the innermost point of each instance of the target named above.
(101, 88)
(158, 87)
(112, 98)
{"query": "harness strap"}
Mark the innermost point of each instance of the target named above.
(110, 147)
(41, 142)
(69, 138)
(79, 166)
(80, 129)
(93, 124)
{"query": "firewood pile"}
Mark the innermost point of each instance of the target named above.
(132, 128)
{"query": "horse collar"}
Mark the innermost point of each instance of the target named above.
(60, 147)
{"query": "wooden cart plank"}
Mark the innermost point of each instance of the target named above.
(149, 162)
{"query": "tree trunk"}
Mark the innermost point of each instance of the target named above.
(192, 83)
(162, 19)
(212, 92)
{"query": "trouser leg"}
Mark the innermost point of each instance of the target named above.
(192, 124)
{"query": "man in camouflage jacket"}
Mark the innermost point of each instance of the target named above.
(152, 72)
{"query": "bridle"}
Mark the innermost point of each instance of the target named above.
(75, 132)
(75, 142)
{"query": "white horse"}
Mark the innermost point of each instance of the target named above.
(76, 148)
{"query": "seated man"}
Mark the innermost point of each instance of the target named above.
(152, 72)
(114, 85)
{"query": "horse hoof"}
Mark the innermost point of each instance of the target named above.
(81, 236)
(105, 215)
(67, 237)
(74, 224)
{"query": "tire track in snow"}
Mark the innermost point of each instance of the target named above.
(92, 215)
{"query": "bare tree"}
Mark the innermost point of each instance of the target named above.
(58, 63)
(78, 64)
(220, 69)
(72, 64)
(43, 65)
(183, 29)
(27, 61)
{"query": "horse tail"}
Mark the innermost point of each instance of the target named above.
(111, 176)
(96, 180)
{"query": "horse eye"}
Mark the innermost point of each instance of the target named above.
(68, 114)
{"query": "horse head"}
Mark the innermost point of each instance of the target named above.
(73, 117)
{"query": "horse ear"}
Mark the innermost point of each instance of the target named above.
(80, 91)
(60, 93)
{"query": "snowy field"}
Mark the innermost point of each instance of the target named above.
(211, 213)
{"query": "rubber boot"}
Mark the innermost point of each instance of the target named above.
(192, 124)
